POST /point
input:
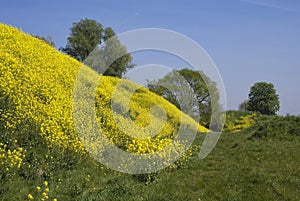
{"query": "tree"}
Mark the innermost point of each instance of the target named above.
(47, 39)
(86, 37)
(108, 33)
(203, 88)
(114, 55)
(243, 106)
(263, 99)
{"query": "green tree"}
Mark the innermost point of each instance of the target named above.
(114, 55)
(263, 99)
(243, 106)
(110, 59)
(85, 39)
(47, 39)
(203, 88)
(108, 33)
(85, 36)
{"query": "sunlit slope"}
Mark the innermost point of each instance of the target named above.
(36, 90)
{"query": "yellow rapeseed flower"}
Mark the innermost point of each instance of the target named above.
(45, 183)
(30, 197)
(44, 194)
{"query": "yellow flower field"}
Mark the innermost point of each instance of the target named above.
(36, 89)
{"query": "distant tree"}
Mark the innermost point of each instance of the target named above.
(87, 36)
(243, 106)
(115, 55)
(263, 99)
(47, 39)
(108, 33)
(203, 89)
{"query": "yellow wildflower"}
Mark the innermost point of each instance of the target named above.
(45, 183)
(30, 197)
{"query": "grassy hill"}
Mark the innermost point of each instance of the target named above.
(38, 134)
(43, 158)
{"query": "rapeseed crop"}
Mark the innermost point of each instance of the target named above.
(36, 91)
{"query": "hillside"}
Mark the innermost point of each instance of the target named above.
(42, 157)
(36, 92)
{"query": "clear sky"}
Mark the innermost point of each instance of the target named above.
(249, 40)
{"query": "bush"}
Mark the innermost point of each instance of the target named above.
(276, 127)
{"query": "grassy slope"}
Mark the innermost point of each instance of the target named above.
(260, 163)
(241, 167)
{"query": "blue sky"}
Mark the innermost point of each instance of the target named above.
(249, 40)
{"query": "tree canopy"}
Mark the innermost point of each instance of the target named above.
(86, 36)
(263, 99)
(203, 89)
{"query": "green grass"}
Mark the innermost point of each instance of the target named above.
(241, 167)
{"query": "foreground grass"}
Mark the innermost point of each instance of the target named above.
(239, 168)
